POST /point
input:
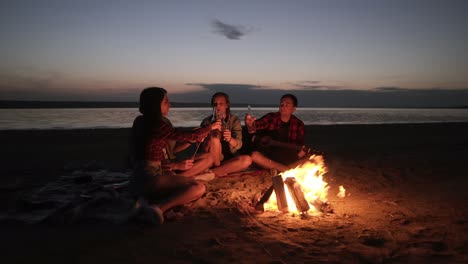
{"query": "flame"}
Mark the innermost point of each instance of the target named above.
(342, 192)
(310, 177)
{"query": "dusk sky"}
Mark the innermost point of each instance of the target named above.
(329, 53)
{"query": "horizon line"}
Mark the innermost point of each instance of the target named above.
(34, 104)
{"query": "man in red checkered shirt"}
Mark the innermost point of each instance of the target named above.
(278, 137)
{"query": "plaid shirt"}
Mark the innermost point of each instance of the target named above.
(272, 122)
(154, 148)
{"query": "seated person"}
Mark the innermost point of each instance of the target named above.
(278, 137)
(153, 181)
(223, 145)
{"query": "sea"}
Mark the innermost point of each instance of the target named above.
(78, 118)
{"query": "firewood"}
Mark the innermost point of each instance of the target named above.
(298, 196)
(278, 185)
(259, 205)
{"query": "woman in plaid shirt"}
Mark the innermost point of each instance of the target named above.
(282, 127)
(153, 180)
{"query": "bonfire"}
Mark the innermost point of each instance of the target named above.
(302, 189)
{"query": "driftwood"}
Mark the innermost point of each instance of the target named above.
(298, 196)
(278, 185)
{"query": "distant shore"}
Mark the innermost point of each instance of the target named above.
(10, 104)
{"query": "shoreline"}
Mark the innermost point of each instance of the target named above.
(307, 125)
(20, 104)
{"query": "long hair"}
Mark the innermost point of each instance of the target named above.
(144, 126)
(150, 103)
(226, 97)
(150, 107)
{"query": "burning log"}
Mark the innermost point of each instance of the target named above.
(281, 200)
(259, 206)
(306, 189)
(296, 193)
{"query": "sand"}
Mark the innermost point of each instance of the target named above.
(406, 203)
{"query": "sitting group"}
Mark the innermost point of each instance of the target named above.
(162, 181)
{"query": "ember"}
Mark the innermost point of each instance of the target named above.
(306, 192)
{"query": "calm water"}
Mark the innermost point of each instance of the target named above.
(190, 117)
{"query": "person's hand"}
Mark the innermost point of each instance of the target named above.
(302, 152)
(227, 135)
(167, 165)
(249, 121)
(216, 125)
(183, 165)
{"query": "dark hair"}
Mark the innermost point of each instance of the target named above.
(226, 96)
(150, 103)
(146, 127)
(293, 98)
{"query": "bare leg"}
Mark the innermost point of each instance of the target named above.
(187, 195)
(177, 190)
(213, 147)
(201, 156)
(299, 162)
(267, 163)
(191, 194)
(216, 150)
(200, 165)
(233, 165)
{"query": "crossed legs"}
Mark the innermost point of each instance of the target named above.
(201, 163)
(232, 165)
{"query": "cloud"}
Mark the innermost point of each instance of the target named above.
(314, 85)
(238, 93)
(310, 93)
(229, 31)
(318, 87)
(401, 89)
(390, 89)
(225, 87)
(331, 96)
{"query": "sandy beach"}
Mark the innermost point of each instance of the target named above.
(405, 203)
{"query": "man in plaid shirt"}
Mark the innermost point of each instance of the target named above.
(279, 137)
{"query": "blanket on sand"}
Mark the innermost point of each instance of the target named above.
(83, 195)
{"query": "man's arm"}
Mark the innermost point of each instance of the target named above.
(265, 121)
